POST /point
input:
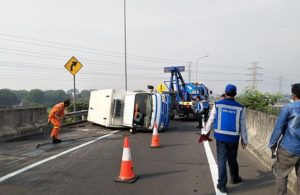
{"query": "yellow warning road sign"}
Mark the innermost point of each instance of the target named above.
(161, 88)
(73, 65)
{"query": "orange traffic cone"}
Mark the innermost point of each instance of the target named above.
(155, 138)
(126, 173)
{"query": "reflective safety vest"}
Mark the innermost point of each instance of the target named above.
(205, 104)
(198, 107)
(227, 121)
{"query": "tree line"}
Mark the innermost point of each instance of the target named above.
(265, 102)
(36, 97)
(250, 98)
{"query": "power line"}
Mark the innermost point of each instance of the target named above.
(72, 46)
(46, 68)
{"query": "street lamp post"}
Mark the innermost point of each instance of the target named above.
(197, 61)
(125, 45)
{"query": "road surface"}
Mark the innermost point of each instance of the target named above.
(181, 166)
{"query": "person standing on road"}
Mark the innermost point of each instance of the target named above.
(205, 108)
(199, 111)
(56, 114)
(228, 117)
(286, 139)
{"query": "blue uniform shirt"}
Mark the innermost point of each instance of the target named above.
(288, 129)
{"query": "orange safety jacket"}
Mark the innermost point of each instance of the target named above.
(58, 111)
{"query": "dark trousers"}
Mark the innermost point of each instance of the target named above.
(205, 112)
(227, 151)
(199, 118)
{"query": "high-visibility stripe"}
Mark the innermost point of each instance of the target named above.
(219, 117)
(126, 154)
(229, 107)
(226, 132)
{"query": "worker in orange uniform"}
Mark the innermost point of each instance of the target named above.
(56, 114)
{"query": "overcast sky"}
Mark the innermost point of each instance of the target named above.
(38, 37)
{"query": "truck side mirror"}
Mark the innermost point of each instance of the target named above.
(210, 92)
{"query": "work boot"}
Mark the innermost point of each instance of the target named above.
(55, 140)
(236, 181)
(221, 189)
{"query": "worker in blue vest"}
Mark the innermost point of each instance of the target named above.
(199, 111)
(228, 117)
(205, 103)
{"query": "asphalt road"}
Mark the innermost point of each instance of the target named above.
(179, 167)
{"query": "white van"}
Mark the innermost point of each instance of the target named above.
(136, 110)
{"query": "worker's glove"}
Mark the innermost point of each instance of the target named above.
(204, 137)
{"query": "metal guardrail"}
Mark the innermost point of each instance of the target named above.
(77, 113)
(82, 113)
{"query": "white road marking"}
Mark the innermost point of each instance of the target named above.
(213, 167)
(52, 157)
(83, 130)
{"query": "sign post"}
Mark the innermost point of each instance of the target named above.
(74, 91)
(73, 66)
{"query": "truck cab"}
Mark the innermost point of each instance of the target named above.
(142, 110)
(136, 110)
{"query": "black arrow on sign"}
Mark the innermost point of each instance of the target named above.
(73, 64)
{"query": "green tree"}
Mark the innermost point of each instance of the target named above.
(79, 106)
(253, 99)
(273, 98)
(70, 92)
(53, 97)
(21, 94)
(34, 98)
(7, 98)
(84, 96)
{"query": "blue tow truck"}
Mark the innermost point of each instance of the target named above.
(183, 95)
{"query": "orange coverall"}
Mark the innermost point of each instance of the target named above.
(55, 115)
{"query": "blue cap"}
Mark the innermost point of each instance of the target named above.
(230, 88)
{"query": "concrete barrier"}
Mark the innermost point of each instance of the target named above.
(260, 127)
(14, 122)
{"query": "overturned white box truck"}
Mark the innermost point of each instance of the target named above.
(136, 110)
